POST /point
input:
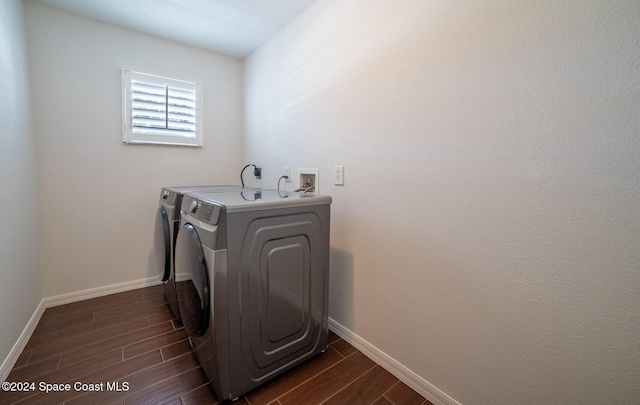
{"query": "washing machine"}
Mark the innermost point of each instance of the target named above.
(166, 228)
(254, 300)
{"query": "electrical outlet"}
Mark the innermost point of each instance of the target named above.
(338, 172)
(287, 172)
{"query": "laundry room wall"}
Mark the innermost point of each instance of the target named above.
(98, 196)
(20, 286)
(487, 236)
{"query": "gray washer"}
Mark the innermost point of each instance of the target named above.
(254, 300)
(166, 229)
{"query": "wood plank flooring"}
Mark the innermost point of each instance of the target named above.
(132, 341)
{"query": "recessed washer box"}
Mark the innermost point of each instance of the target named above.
(310, 177)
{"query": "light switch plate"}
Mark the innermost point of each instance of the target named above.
(338, 172)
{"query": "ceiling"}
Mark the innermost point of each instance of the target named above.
(233, 27)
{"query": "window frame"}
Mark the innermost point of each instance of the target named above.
(166, 136)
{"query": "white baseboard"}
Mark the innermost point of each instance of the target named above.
(17, 348)
(50, 302)
(419, 384)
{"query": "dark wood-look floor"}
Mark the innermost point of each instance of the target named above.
(133, 338)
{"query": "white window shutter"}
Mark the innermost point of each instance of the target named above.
(160, 110)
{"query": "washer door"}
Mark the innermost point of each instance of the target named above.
(162, 245)
(192, 282)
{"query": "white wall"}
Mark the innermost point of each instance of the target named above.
(98, 196)
(487, 236)
(20, 286)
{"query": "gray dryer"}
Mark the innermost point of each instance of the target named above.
(256, 269)
(166, 229)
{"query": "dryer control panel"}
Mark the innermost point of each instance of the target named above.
(203, 211)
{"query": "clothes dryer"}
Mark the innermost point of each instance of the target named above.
(166, 228)
(255, 302)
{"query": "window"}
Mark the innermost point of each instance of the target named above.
(158, 110)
